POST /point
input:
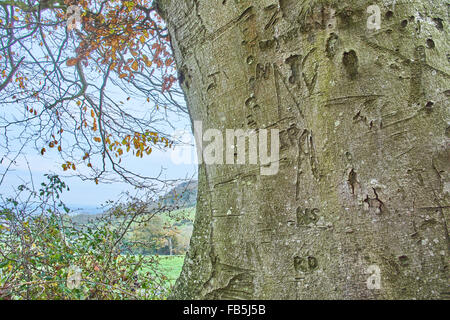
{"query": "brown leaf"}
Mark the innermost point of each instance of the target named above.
(71, 62)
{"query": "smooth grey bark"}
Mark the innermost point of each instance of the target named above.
(365, 132)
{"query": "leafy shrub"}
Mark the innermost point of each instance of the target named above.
(44, 255)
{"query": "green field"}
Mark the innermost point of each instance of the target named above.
(171, 266)
(168, 266)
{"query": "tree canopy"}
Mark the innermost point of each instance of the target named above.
(69, 72)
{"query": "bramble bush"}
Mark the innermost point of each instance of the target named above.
(44, 255)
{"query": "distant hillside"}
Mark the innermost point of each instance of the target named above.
(182, 196)
(167, 233)
(84, 209)
(84, 218)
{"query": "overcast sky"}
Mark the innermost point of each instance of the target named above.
(176, 164)
(86, 194)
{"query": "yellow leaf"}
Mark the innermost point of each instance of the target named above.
(147, 61)
(135, 66)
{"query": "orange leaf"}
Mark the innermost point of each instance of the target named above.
(169, 62)
(71, 62)
(148, 63)
(135, 66)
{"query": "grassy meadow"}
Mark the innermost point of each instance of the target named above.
(171, 266)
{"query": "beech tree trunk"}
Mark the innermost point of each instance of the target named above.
(363, 186)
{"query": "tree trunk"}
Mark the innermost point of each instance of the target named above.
(359, 208)
(169, 240)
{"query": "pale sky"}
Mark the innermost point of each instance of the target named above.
(87, 194)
